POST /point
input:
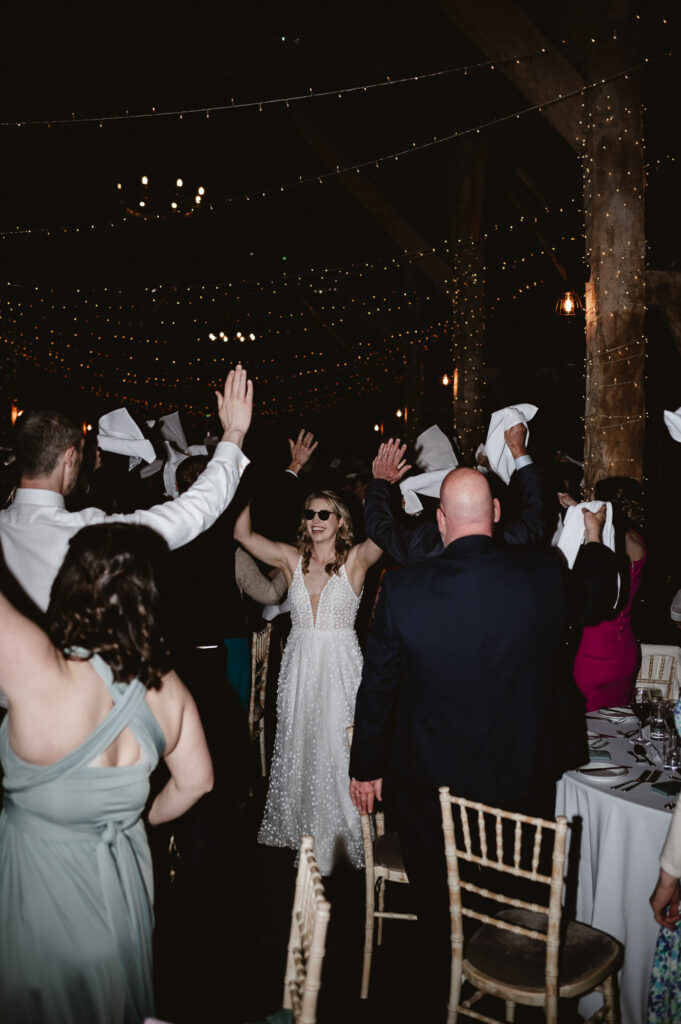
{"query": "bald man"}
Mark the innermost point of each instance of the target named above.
(457, 688)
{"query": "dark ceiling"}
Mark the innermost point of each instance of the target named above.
(106, 308)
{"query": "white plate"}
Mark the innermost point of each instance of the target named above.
(615, 714)
(602, 772)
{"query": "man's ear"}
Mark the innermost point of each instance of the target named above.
(440, 521)
(70, 456)
(497, 510)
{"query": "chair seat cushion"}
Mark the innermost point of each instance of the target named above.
(388, 853)
(519, 960)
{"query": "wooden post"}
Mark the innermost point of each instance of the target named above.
(614, 185)
(467, 168)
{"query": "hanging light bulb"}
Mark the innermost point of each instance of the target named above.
(569, 304)
(398, 413)
(445, 380)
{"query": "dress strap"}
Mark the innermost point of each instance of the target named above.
(126, 707)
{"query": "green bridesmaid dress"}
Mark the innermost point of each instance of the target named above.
(76, 885)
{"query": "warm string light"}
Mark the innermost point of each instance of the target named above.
(374, 161)
(329, 278)
(336, 93)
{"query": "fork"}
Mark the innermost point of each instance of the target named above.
(643, 777)
(651, 780)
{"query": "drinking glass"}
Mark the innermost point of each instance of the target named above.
(657, 720)
(640, 705)
(672, 752)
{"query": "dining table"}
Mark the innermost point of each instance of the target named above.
(620, 833)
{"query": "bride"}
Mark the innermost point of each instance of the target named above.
(320, 673)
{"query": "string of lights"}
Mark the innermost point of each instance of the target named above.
(287, 101)
(373, 161)
(334, 273)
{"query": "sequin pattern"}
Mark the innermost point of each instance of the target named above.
(320, 673)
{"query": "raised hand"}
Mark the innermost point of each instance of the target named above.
(515, 439)
(390, 463)
(593, 524)
(235, 405)
(301, 449)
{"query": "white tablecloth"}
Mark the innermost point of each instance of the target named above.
(622, 838)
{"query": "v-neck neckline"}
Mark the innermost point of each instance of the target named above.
(309, 598)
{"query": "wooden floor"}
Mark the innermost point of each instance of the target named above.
(221, 941)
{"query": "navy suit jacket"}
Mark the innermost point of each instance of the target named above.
(458, 686)
(408, 546)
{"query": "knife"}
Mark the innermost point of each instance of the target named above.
(628, 782)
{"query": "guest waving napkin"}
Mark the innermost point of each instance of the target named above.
(500, 459)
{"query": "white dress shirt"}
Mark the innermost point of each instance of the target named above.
(36, 528)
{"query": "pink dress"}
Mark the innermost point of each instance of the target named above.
(607, 657)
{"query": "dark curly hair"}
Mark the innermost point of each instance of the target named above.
(105, 599)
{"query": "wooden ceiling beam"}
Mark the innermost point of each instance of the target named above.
(500, 29)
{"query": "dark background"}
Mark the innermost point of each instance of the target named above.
(100, 308)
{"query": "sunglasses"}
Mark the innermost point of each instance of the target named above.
(323, 514)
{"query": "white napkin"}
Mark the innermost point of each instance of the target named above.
(426, 483)
(171, 429)
(571, 537)
(673, 422)
(496, 449)
(117, 432)
(152, 468)
(173, 434)
(270, 611)
(173, 460)
(434, 455)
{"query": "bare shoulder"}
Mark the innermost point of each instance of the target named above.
(168, 703)
(635, 547)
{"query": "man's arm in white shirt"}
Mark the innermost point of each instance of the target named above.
(181, 520)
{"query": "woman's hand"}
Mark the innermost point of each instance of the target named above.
(665, 900)
(566, 499)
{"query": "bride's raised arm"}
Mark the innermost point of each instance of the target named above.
(276, 553)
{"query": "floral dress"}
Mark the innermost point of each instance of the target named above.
(664, 997)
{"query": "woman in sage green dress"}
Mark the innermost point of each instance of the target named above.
(91, 709)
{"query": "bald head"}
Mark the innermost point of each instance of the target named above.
(466, 506)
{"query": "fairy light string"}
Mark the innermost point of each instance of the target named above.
(375, 162)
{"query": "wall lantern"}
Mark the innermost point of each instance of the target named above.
(570, 303)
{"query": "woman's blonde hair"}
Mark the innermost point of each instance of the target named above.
(344, 535)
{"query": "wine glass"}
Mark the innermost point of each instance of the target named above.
(640, 705)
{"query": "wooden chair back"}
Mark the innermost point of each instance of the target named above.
(260, 650)
(307, 939)
(492, 838)
(661, 669)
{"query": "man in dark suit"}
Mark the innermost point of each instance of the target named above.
(528, 524)
(457, 687)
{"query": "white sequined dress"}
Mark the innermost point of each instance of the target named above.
(320, 673)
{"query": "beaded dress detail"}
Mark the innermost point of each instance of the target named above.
(320, 674)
